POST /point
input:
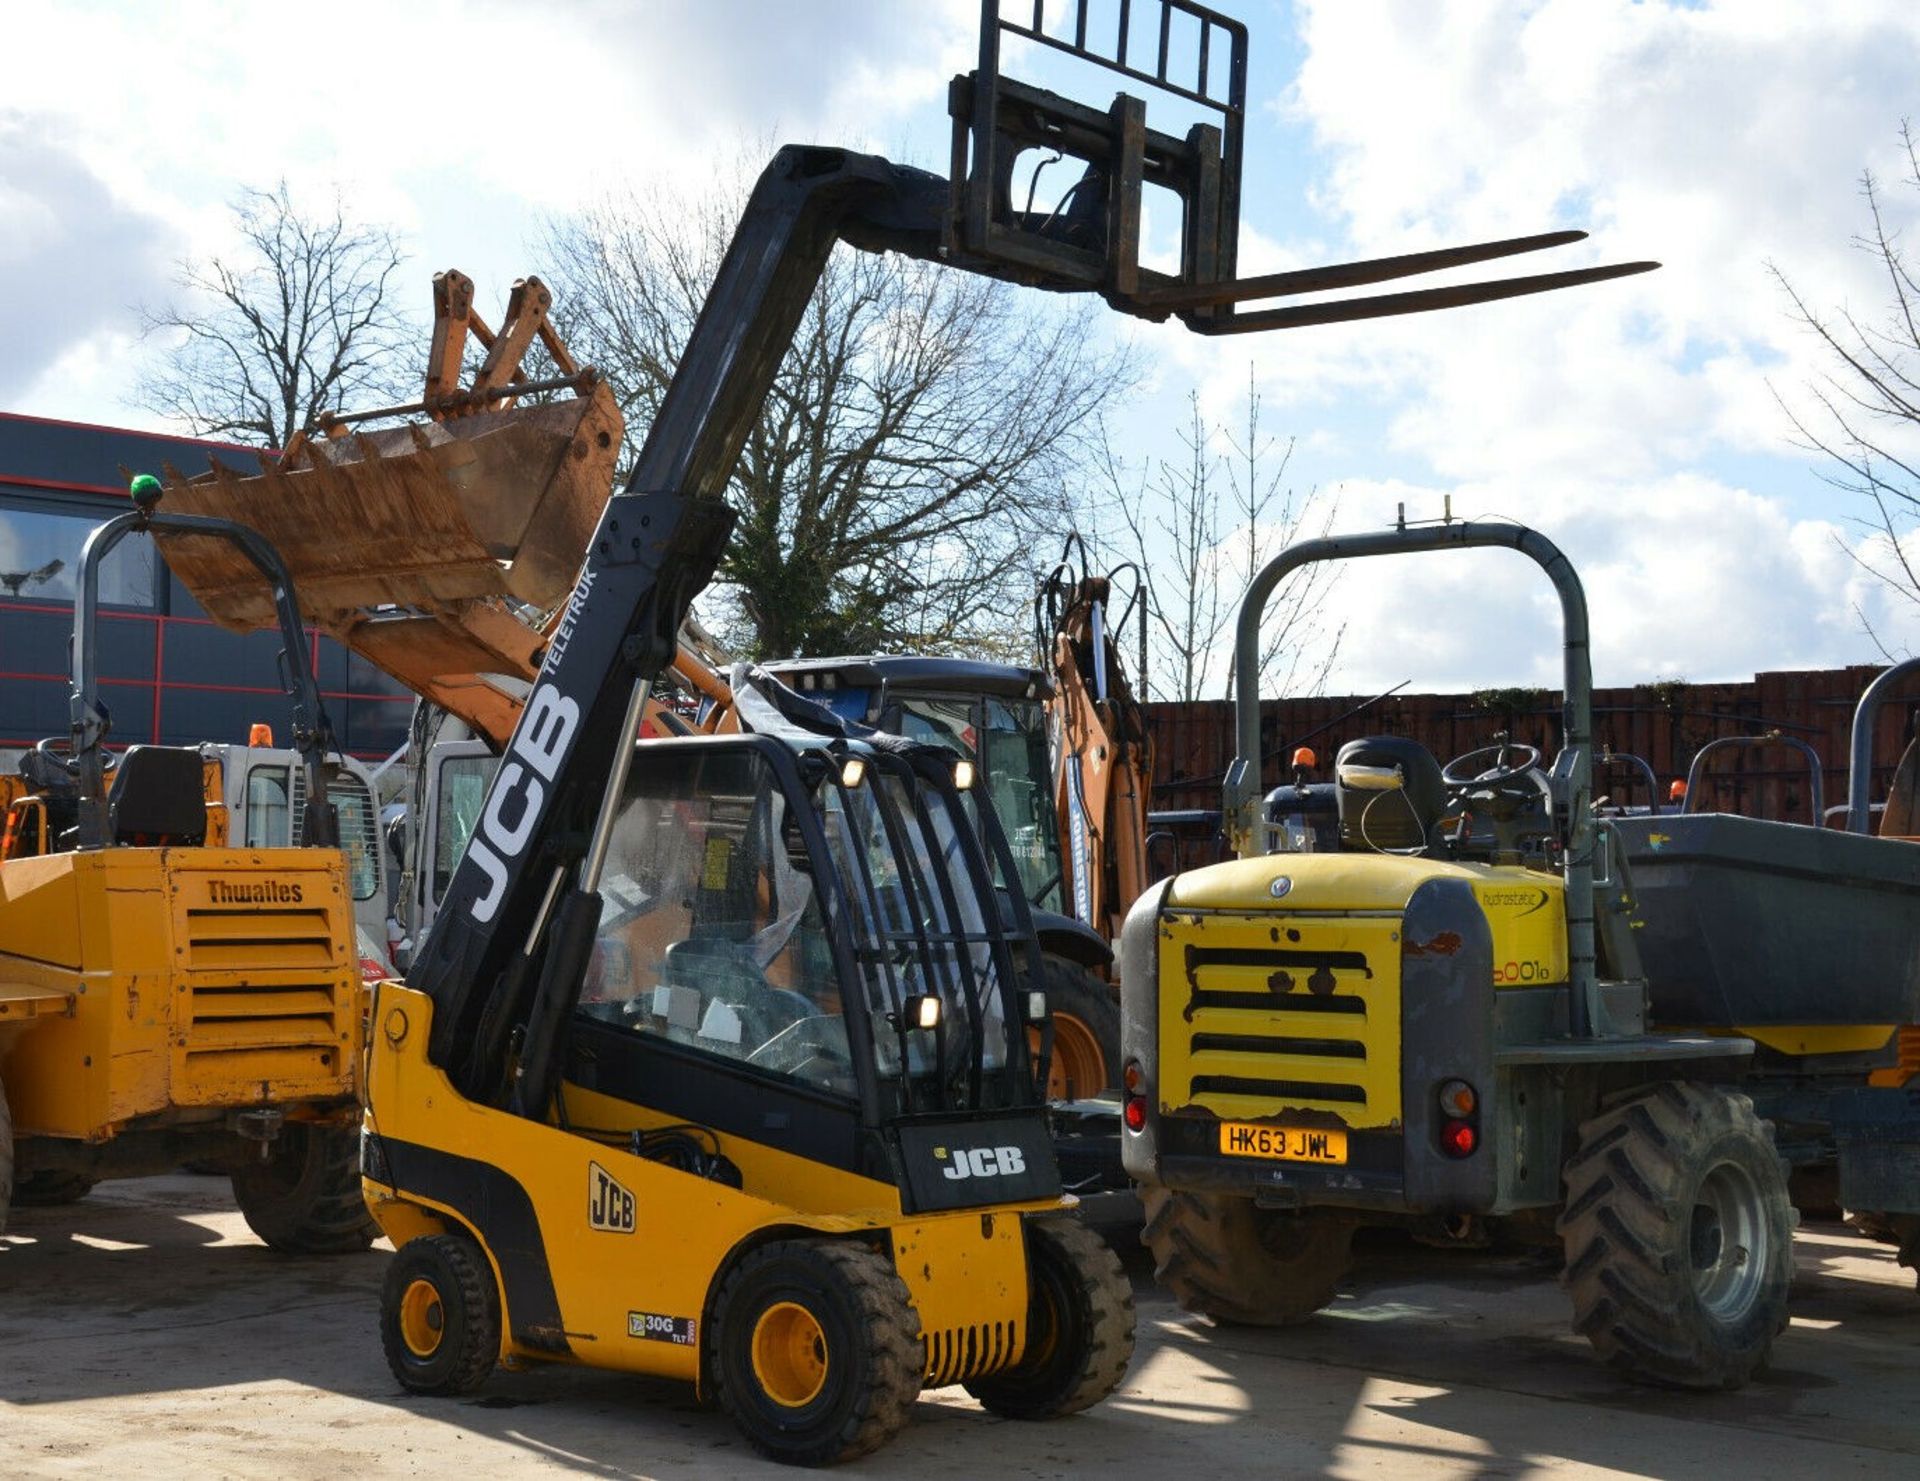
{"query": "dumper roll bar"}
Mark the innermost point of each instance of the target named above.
(1697, 772)
(1860, 754)
(1572, 769)
(88, 719)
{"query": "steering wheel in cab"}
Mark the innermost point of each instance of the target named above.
(1503, 783)
(1512, 762)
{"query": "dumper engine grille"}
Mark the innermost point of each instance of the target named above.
(265, 1000)
(1265, 1014)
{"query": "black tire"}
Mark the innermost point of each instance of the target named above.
(440, 1315)
(6, 1159)
(1079, 1327)
(51, 1189)
(1086, 1007)
(1240, 1265)
(1679, 1236)
(816, 1351)
(305, 1198)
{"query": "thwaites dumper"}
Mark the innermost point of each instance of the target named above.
(1442, 1025)
(167, 996)
(714, 1062)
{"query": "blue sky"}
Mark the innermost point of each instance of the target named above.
(1635, 422)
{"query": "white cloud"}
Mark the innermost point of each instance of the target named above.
(460, 124)
(1631, 420)
(1717, 139)
(1685, 577)
(73, 256)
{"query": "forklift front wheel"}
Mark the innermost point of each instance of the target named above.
(440, 1315)
(1079, 1327)
(816, 1350)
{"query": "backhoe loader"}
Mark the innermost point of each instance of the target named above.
(168, 994)
(1443, 1026)
(714, 1062)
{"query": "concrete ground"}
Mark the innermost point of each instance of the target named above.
(145, 1333)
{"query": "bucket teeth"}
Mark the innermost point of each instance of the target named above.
(454, 519)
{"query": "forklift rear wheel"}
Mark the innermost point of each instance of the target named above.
(1679, 1236)
(305, 1198)
(1079, 1327)
(816, 1352)
(1224, 1258)
(51, 1189)
(440, 1315)
(1086, 1030)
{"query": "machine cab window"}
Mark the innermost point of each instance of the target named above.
(711, 932)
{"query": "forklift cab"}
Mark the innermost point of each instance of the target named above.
(808, 920)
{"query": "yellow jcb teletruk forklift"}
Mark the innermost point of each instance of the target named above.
(714, 1062)
(167, 996)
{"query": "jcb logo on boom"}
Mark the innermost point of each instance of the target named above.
(609, 1206)
(520, 791)
(981, 1162)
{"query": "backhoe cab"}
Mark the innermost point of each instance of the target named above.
(1442, 1025)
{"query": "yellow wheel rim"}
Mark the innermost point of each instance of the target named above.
(1078, 1067)
(789, 1355)
(422, 1318)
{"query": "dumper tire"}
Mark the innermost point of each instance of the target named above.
(1678, 1235)
(1080, 1326)
(1086, 1029)
(6, 1159)
(815, 1350)
(1224, 1258)
(51, 1189)
(440, 1315)
(305, 1198)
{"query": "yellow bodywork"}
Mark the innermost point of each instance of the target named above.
(966, 1271)
(140, 983)
(1306, 949)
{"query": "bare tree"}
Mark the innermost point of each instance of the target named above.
(924, 435)
(1865, 412)
(1200, 525)
(298, 321)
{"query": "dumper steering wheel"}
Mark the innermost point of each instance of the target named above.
(1461, 773)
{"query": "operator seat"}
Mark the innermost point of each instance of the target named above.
(157, 799)
(1383, 816)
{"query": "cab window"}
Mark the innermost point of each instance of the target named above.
(711, 930)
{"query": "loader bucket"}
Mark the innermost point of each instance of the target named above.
(496, 504)
(434, 549)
